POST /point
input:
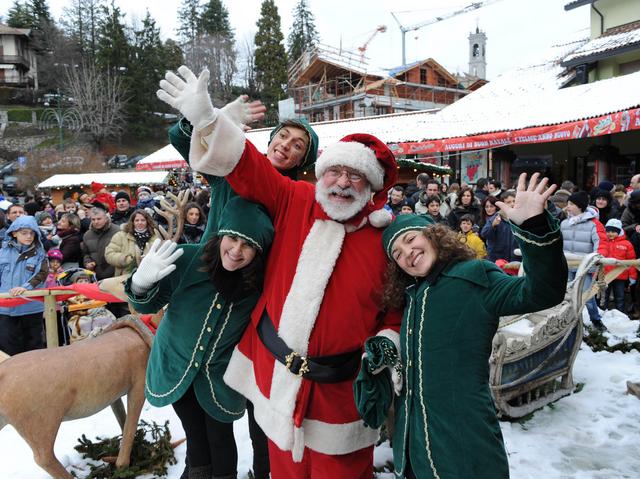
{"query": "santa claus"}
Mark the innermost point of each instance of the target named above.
(323, 288)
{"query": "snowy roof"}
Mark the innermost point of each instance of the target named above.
(607, 43)
(7, 30)
(525, 97)
(124, 178)
(577, 3)
(165, 158)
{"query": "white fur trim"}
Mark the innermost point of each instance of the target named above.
(219, 152)
(380, 218)
(317, 259)
(317, 435)
(297, 452)
(354, 155)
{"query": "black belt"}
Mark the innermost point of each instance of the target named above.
(321, 369)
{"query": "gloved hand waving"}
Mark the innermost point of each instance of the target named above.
(156, 264)
(188, 95)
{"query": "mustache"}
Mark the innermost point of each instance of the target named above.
(342, 191)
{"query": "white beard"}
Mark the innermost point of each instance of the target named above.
(342, 212)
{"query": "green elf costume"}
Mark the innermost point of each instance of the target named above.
(445, 422)
(200, 327)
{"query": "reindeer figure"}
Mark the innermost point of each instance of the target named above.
(172, 213)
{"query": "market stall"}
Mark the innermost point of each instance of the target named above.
(165, 158)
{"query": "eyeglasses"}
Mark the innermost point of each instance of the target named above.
(336, 172)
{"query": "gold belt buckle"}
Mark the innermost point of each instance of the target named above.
(304, 367)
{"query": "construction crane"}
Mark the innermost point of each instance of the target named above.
(363, 48)
(469, 8)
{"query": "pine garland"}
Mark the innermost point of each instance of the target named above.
(147, 457)
(598, 342)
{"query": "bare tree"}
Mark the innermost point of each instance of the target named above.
(99, 97)
(247, 64)
(217, 54)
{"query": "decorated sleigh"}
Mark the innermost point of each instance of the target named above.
(532, 357)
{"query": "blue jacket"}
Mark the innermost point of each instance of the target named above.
(500, 240)
(23, 266)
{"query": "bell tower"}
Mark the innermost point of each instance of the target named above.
(478, 54)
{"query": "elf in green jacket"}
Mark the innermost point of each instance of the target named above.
(210, 290)
(445, 423)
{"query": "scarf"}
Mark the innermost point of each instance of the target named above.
(141, 237)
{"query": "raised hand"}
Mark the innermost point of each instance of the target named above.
(188, 95)
(156, 264)
(530, 200)
(243, 113)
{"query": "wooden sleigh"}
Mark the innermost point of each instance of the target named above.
(533, 354)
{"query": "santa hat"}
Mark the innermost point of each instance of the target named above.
(96, 187)
(371, 157)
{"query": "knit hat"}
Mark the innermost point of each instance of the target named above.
(55, 254)
(613, 225)
(41, 216)
(580, 199)
(606, 185)
(123, 195)
(402, 224)
(311, 154)
(96, 187)
(248, 221)
(144, 188)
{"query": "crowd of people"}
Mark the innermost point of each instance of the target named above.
(603, 220)
(316, 306)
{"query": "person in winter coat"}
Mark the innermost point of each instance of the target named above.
(497, 233)
(48, 230)
(582, 234)
(129, 245)
(465, 204)
(434, 204)
(445, 419)
(607, 207)
(96, 240)
(55, 258)
(396, 197)
(210, 290)
(631, 217)
(101, 194)
(68, 231)
(23, 266)
(123, 209)
(471, 239)
(617, 246)
(195, 223)
(145, 199)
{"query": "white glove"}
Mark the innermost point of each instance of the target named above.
(243, 113)
(155, 265)
(189, 96)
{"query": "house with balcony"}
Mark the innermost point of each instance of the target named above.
(18, 66)
(329, 84)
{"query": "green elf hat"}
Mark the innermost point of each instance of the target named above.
(402, 224)
(246, 220)
(312, 150)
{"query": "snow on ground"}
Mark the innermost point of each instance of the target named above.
(591, 434)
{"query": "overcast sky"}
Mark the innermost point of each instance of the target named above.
(516, 30)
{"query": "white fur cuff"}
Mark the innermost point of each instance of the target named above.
(218, 153)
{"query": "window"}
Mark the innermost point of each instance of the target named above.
(476, 50)
(423, 76)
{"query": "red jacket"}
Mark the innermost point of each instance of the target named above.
(619, 248)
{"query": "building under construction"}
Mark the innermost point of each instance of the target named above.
(331, 84)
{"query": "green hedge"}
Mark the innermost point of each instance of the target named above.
(23, 115)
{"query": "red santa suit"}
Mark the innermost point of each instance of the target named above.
(322, 291)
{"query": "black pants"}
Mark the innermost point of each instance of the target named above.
(212, 442)
(21, 333)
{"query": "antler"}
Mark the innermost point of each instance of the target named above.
(171, 213)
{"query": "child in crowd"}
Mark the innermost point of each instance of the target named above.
(23, 266)
(48, 229)
(472, 239)
(433, 210)
(407, 207)
(55, 267)
(617, 246)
